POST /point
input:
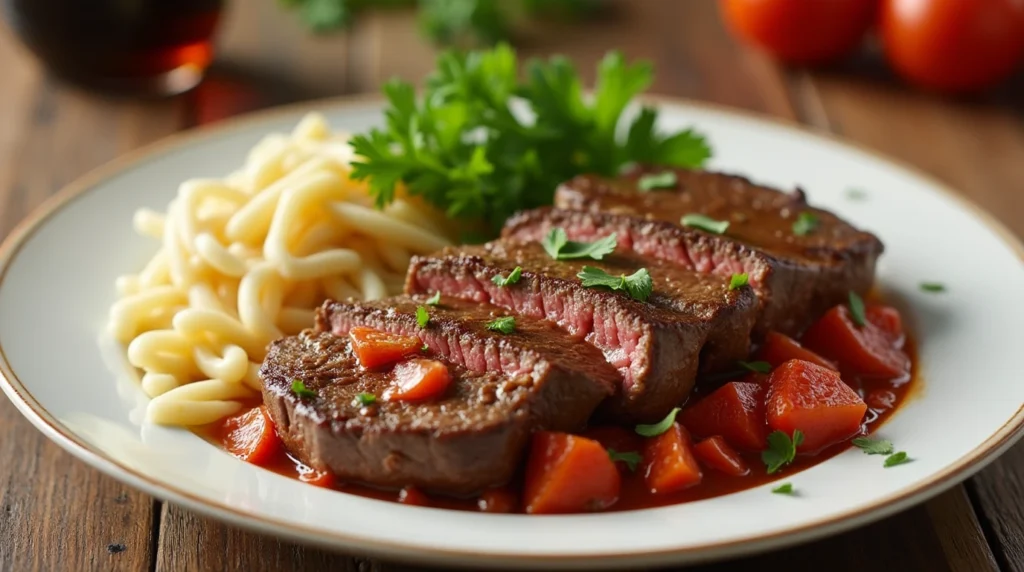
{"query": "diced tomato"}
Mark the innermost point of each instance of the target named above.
(669, 464)
(813, 399)
(418, 379)
(315, 477)
(499, 500)
(568, 473)
(780, 348)
(618, 439)
(887, 319)
(251, 437)
(735, 411)
(374, 348)
(413, 496)
(714, 452)
(865, 350)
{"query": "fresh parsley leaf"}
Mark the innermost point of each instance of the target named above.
(784, 489)
(805, 223)
(505, 325)
(513, 277)
(737, 281)
(638, 284)
(659, 427)
(435, 299)
(663, 180)
(424, 348)
(631, 458)
(707, 224)
(559, 247)
(422, 316)
(857, 309)
(934, 287)
(781, 449)
(897, 459)
(299, 388)
(756, 366)
(364, 399)
(856, 194)
(873, 446)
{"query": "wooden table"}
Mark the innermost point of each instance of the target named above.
(58, 514)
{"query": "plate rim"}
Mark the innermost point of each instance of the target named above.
(964, 467)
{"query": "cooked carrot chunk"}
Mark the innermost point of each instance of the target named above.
(865, 350)
(780, 348)
(374, 348)
(250, 436)
(735, 411)
(418, 380)
(669, 464)
(568, 473)
(887, 319)
(714, 452)
(813, 399)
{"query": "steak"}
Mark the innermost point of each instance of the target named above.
(689, 319)
(808, 273)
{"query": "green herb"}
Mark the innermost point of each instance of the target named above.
(873, 446)
(783, 489)
(805, 223)
(422, 316)
(364, 399)
(659, 427)
(299, 388)
(462, 149)
(857, 310)
(663, 180)
(756, 366)
(856, 194)
(631, 458)
(781, 449)
(559, 247)
(933, 287)
(513, 277)
(435, 299)
(707, 224)
(505, 325)
(737, 281)
(638, 284)
(424, 348)
(897, 459)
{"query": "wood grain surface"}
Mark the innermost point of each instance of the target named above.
(58, 514)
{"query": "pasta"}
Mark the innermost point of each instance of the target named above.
(246, 259)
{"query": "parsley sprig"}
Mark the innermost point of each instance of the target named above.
(638, 284)
(630, 458)
(659, 427)
(513, 277)
(559, 247)
(781, 449)
(505, 324)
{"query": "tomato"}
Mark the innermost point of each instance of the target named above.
(714, 452)
(250, 436)
(865, 350)
(568, 473)
(734, 411)
(800, 31)
(374, 348)
(953, 45)
(778, 348)
(887, 319)
(669, 464)
(418, 380)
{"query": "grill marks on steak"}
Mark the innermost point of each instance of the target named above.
(657, 345)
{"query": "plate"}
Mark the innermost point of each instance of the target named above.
(57, 272)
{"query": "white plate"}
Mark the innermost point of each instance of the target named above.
(57, 278)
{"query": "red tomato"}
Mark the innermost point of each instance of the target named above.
(250, 436)
(865, 350)
(568, 473)
(800, 31)
(374, 348)
(669, 464)
(888, 320)
(953, 45)
(735, 411)
(714, 452)
(419, 379)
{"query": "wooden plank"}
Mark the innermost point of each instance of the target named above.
(959, 532)
(998, 491)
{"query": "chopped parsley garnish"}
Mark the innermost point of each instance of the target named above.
(364, 399)
(505, 325)
(873, 446)
(783, 489)
(631, 458)
(857, 310)
(707, 224)
(638, 284)
(896, 459)
(659, 427)
(512, 278)
(425, 348)
(299, 388)
(781, 449)
(663, 180)
(435, 299)
(737, 281)
(422, 316)
(756, 366)
(856, 194)
(559, 247)
(805, 223)
(933, 287)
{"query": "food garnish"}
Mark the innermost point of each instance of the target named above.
(659, 427)
(559, 247)
(756, 366)
(737, 281)
(435, 299)
(873, 446)
(364, 399)
(638, 284)
(805, 223)
(513, 277)
(663, 180)
(422, 316)
(705, 223)
(856, 194)
(630, 458)
(897, 459)
(505, 325)
(784, 489)
(299, 388)
(781, 449)
(857, 309)
(934, 287)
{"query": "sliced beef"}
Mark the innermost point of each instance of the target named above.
(656, 345)
(810, 273)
